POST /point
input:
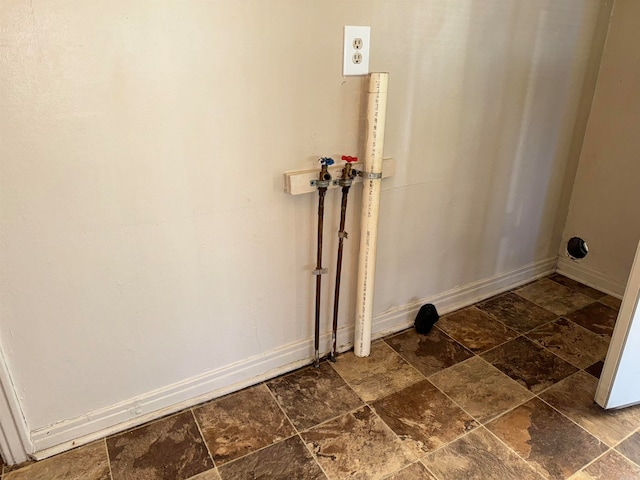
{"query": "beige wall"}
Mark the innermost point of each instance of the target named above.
(146, 239)
(604, 204)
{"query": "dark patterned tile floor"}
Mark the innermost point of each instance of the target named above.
(480, 388)
(610, 466)
(612, 302)
(597, 317)
(242, 423)
(429, 353)
(358, 445)
(423, 417)
(574, 396)
(167, 449)
(529, 364)
(475, 329)
(577, 286)
(551, 443)
(517, 312)
(481, 456)
(89, 463)
(631, 448)
(554, 297)
(571, 342)
(282, 461)
(499, 390)
(415, 471)
(595, 369)
(313, 395)
(378, 375)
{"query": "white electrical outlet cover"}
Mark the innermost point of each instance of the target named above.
(355, 59)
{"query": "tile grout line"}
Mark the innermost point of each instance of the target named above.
(554, 353)
(298, 432)
(570, 419)
(442, 447)
(373, 411)
(570, 288)
(479, 424)
(295, 428)
(453, 339)
(275, 399)
(512, 379)
(313, 456)
(566, 317)
(419, 461)
(473, 354)
(396, 391)
(610, 449)
(545, 348)
(514, 452)
(466, 360)
(255, 451)
(529, 392)
(566, 313)
(637, 430)
(396, 436)
(518, 334)
(523, 333)
(537, 396)
(460, 407)
(484, 425)
(334, 418)
(204, 440)
(106, 447)
(465, 411)
(624, 440)
(500, 344)
(437, 477)
(261, 448)
(604, 337)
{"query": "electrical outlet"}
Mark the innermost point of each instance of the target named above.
(356, 50)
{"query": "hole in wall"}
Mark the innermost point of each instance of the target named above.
(577, 248)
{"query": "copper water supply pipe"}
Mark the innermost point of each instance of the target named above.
(345, 182)
(323, 183)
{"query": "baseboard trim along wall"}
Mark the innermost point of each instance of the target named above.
(580, 272)
(215, 383)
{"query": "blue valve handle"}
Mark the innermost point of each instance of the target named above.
(326, 161)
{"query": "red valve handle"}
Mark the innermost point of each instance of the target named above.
(349, 159)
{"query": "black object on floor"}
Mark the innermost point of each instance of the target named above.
(426, 318)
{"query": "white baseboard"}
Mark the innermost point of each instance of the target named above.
(116, 418)
(71, 433)
(581, 273)
(15, 443)
(463, 296)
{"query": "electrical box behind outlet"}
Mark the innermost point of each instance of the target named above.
(356, 50)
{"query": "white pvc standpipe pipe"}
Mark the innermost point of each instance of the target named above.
(372, 177)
